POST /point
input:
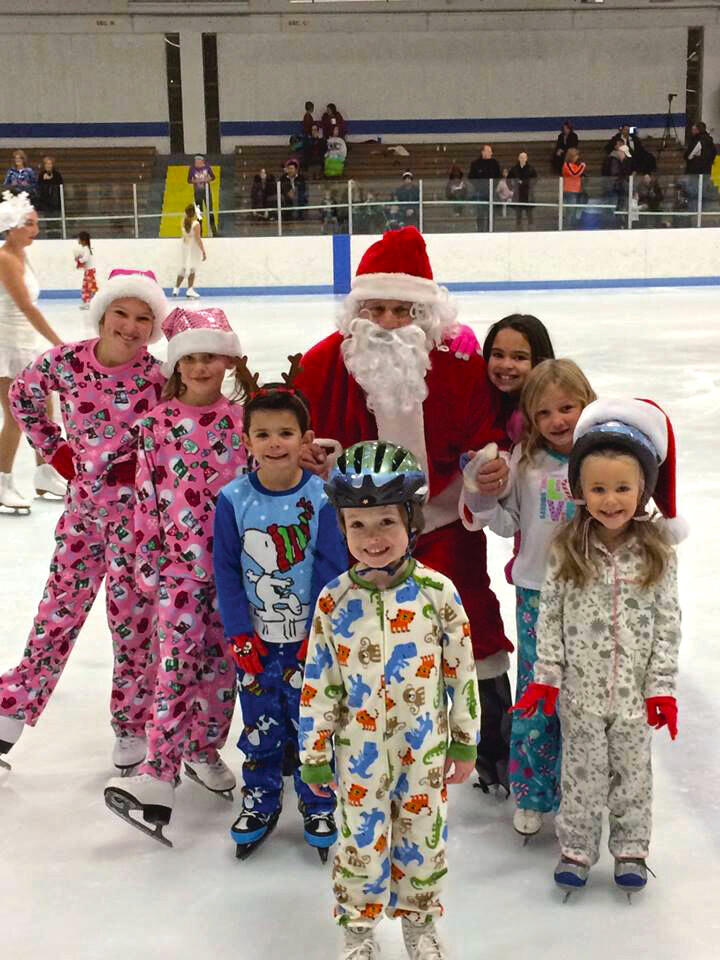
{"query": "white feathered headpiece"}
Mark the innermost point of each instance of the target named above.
(14, 210)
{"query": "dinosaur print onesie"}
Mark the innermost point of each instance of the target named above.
(390, 678)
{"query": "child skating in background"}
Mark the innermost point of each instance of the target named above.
(512, 347)
(608, 635)
(190, 447)
(277, 543)
(106, 386)
(83, 255)
(390, 684)
(538, 504)
(193, 252)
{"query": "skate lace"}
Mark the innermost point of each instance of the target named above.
(428, 947)
(319, 819)
(367, 949)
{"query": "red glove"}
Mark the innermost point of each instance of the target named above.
(302, 652)
(247, 650)
(123, 471)
(530, 700)
(63, 461)
(661, 711)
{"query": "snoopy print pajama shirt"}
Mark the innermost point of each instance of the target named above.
(390, 681)
(274, 551)
(101, 408)
(187, 454)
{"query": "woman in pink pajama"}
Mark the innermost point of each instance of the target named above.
(106, 386)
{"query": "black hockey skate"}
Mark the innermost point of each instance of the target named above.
(5, 748)
(157, 816)
(251, 830)
(320, 830)
(492, 774)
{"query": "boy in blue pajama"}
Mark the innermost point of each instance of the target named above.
(390, 682)
(276, 543)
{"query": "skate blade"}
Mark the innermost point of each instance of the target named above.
(13, 511)
(121, 805)
(223, 794)
(243, 850)
(5, 765)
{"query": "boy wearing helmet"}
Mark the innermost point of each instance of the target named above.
(390, 679)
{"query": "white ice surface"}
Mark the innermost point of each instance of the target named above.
(76, 883)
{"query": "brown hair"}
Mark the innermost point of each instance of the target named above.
(190, 216)
(562, 373)
(175, 388)
(575, 546)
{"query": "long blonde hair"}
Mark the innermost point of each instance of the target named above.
(575, 546)
(562, 373)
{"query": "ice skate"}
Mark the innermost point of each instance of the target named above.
(320, 831)
(359, 944)
(421, 940)
(10, 730)
(492, 774)
(192, 294)
(631, 876)
(128, 752)
(84, 306)
(250, 830)
(570, 876)
(216, 777)
(48, 480)
(527, 823)
(175, 291)
(153, 798)
(10, 498)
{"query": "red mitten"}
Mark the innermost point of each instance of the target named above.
(302, 652)
(123, 471)
(530, 700)
(63, 461)
(247, 650)
(661, 711)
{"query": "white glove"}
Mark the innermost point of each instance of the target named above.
(470, 468)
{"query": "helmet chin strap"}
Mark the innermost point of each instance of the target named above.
(392, 568)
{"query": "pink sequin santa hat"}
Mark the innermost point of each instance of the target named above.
(141, 284)
(643, 429)
(396, 268)
(198, 331)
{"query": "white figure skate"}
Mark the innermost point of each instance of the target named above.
(421, 941)
(128, 752)
(48, 480)
(10, 498)
(359, 944)
(527, 823)
(216, 777)
(10, 730)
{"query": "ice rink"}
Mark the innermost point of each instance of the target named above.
(76, 883)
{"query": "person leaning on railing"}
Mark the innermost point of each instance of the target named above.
(523, 176)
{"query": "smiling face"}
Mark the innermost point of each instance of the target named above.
(125, 329)
(275, 440)
(202, 375)
(555, 416)
(376, 536)
(611, 486)
(510, 361)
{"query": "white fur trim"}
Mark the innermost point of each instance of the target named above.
(676, 529)
(131, 285)
(395, 286)
(200, 340)
(647, 418)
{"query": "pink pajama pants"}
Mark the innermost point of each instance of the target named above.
(195, 681)
(87, 550)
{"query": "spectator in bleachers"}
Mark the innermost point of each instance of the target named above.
(200, 175)
(700, 152)
(567, 139)
(573, 171)
(368, 215)
(293, 191)
(406, 211)
(456, 189)
(503, 190)
(617, 168)
(329, 216)
(316, 151)
(629, 137)
(21, 176)
(643, 161)
(48, 191)
(333, 118)
(308, 122)
(483, 169)
(335, 154)
(523, 176)
(263, 195)
(650, 198)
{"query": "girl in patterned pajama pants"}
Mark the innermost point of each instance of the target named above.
(105, 385)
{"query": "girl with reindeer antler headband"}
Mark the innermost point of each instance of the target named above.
(276, 544)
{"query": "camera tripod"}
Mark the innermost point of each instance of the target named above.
(669, 134)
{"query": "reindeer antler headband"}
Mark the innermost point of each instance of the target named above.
(285, 387)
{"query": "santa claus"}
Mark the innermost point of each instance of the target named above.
(393, 372)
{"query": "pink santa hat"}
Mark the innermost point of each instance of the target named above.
(141, 284)
(198, 331)
(642, 428)
(396, 268)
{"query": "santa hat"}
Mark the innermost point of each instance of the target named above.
(396, 268)
(643, 429)
(198, 331)
(141, 284)
(291, 541)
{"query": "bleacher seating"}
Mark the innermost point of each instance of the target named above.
(98, 181)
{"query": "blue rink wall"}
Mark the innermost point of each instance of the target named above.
(463, 262)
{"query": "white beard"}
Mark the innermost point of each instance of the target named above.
(390, 365)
